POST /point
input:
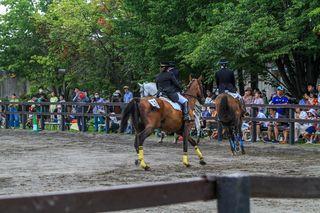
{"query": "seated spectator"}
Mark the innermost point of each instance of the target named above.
(273, 128)
(311, 89)
(300, 127)
(305, 100)
(312, 127)
(114, 123)
(313, 99)
(205, 113)
(208, 98)
(261, 125)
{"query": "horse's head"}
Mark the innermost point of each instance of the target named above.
(142, 90)
(195, 89)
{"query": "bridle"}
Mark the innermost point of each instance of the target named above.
(193, 96)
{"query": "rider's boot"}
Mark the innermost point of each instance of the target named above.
(186, 116)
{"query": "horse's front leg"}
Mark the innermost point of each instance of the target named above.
(197, 150)
(185, 158)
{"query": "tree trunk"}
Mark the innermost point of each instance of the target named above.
(240, 81)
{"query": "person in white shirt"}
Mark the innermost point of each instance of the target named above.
(261, 125)
(300, 127)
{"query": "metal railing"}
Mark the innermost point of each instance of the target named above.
(233, 193)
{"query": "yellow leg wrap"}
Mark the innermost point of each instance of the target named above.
(141, 158)
(198, 152)
(185, 159)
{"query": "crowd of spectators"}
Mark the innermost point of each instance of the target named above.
(275, 132)
(75, 112)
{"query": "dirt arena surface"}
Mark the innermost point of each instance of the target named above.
(55, 161)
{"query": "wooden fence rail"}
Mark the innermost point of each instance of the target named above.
(83, 114)
(232, 192)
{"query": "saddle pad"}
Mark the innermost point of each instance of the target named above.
(154, 103)
(174, 105)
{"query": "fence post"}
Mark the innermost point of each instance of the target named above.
(23, 116)
(63, 119)
(7, 114)
(83, 120)
(233, 192)
(292, 123)
(254, 125)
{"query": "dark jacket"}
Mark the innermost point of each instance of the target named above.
(225, 80)
(175, 72)
(168, 85)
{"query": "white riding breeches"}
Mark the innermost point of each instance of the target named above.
(182, 99)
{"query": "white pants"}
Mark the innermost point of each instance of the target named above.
(182, 99)
(299, 129)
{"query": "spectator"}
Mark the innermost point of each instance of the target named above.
(248, 98)
(116, 97)
(312, 127)
(14, 117)
(313, 99)
(208, 98)
(114, 123)
(53, 99)
(300, 127)
(98, 111)
(305, 100)
(261, 125)
(258, 99)
(273, 128)
(60, 107)
(80, 97)
(127, 96)
(280, 99)
(310, 89)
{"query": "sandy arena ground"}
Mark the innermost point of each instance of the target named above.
(55, 161)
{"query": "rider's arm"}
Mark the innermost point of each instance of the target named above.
(175, 81)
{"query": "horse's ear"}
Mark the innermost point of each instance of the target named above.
(190, 77)
(200, 78)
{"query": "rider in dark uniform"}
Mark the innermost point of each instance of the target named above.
(168, 85)
(225, 78)
(174, 70)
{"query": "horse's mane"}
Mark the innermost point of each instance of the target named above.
(189, 85)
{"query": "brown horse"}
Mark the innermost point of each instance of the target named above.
(230, 115)
(146, 118)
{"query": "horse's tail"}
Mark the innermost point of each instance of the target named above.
(225, 111)
(132, 109)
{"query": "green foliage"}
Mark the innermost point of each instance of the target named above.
(104, 44)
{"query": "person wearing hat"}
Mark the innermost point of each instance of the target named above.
(127, 96)
(168, 85)
(280, 98)
(225, 78)
(174, 69)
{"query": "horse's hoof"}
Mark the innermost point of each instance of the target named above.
(147, 168)
(187, 165)
(136, 162)
(202, 162)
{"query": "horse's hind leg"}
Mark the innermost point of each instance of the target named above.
(197, 150)
(231, 140)
(140, 139)
(136, 146)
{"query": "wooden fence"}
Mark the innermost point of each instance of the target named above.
(108, 106)
(232, 192)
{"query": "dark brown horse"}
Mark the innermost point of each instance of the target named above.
(230, 115)
(146, 118)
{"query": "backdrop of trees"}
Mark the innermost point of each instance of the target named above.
(104, 44)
